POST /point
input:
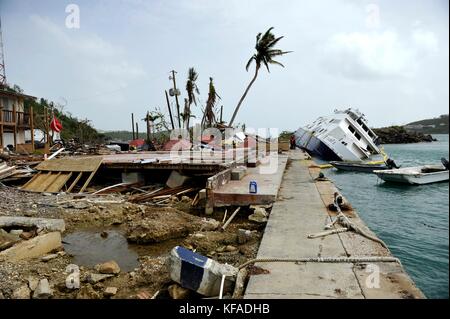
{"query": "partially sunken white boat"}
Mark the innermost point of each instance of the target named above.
(418, 175)
(342, 136)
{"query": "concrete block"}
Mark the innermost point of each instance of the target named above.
(32, 248)
(43, 290)
(176, 179)
(199, 273)
(132, 177)
(202, 194)
(47, 224)
(238, 173)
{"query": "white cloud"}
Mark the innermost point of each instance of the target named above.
(377, 55)
(91, 71)
(425, 41)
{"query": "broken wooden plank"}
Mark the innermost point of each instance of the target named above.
(50, 178)
(71, 164)
(59, 183)
(87, 181)
(74, 182)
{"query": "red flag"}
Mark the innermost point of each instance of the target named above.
(56, 125)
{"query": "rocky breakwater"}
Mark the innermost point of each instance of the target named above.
(399, 135)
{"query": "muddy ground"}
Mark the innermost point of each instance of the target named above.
(151, 232)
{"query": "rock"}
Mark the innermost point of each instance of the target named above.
(244, 236)
(209, 224)
(87, 292)
(33, 283)
(27, 235)
(178, 292)
(199, 236)
(43, 290)
(23, 292)
(1, 296)
(95, 278)
(259, 215)
(103, 234)
(49, 257)
(230, 248)
(109, 267)
(186, 199)
(110, 291)
(16, 231)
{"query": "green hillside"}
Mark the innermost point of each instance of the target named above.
(438, 125)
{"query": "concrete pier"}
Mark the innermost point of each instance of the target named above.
(300, 210)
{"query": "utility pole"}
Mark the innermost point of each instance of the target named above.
(2, 59)
(176, 97)
(132, 124)
(170, 111)
(147, 119)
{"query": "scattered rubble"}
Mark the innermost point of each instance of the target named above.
(33, 263)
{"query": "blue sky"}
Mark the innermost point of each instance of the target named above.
(387, 58)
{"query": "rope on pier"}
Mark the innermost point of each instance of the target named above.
(370, 259)
(348, 225)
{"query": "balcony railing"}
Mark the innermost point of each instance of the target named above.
(22, 119)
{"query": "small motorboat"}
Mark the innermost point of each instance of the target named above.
(359, 166)
(418, 175)
(365, 167)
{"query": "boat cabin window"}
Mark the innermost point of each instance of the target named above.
(351, 129)
(358, 136)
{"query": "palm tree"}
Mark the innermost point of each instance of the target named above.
(265, 52)
(209, 116)
(192, 89)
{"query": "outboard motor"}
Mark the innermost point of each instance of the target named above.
(445, 162)
(391, 164)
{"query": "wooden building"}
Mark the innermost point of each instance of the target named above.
(15, 120)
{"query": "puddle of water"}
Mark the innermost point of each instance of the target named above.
(89, 248)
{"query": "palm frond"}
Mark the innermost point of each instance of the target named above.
(276, 62)
(272, 43)
(265, 61)
(250, 62)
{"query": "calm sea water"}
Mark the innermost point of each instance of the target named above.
(412, 220)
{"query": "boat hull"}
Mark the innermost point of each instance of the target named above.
(412, 178)
(356, 167)
(314, 146)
